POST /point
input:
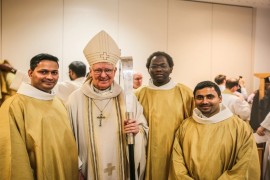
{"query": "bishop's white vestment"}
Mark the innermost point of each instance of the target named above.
(97, 120)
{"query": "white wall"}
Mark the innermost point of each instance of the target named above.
(190, 41)
(142, 30)
(29, 28)
(261, 43)
(188, 31)
(82, 20)
(208, 39)
(232, 42)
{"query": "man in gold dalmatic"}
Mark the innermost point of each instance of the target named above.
(213, 143)
(36, 140)
(97, 112)
(165, 104)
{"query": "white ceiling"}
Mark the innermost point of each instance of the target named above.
(249, 3)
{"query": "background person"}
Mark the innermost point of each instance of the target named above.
(264, 130)
(235, 103)
(221, 81)
(77, 72)
(137, 80)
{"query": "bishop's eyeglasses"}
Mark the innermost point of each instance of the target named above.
(106, 70)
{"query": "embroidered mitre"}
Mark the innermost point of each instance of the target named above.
(102, 48)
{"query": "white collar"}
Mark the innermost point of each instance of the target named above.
(224, 113)
(167, 86)
(31, 91)
(80, 79)
(88, 89)
(102, 92)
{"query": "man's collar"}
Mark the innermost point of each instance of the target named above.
(167, 86)
(102, 92)
(222, 115)
(88, 89)
(31, 91)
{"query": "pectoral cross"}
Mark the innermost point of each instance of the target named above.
(100, 117)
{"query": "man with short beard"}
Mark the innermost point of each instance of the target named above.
(36, 140)
(213, 143)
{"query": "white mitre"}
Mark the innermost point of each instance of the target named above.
(102, 48)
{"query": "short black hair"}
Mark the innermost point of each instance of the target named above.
(205, 84)
(40, 57)
(160, 53)
(78, 67)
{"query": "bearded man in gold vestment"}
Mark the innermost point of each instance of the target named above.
(36, 140)
(213, 143)
(165, 105)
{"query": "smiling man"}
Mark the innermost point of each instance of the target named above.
(213, 143)
(36, 140)
(97, 112)
(165, 104)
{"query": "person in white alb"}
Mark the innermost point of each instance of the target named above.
(236, 104)
(77, 71)
(220, 80)
(97, 113)
(261, 131)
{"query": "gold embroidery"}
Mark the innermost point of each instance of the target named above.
(109, 169)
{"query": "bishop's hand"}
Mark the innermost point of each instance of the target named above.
(260, 131)
(131, 126)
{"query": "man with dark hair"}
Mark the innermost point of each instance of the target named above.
(165, 104)
(241, 91)
(213, 143)
(77, 71)
(36, 140)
